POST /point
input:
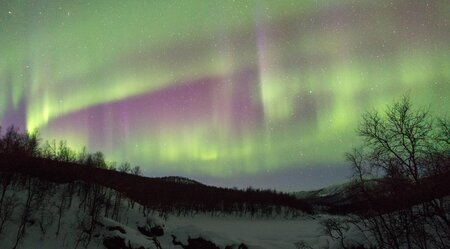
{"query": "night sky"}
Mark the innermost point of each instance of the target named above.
(230, 93)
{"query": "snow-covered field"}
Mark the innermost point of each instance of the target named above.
(256, 233)
(223, 231)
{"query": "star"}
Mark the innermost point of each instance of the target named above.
(275, 86)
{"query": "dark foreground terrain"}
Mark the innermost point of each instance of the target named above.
(163, 194)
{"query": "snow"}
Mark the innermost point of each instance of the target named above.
(258, 233)
(223, 230)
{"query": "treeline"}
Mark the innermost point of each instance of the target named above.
(29, 144)
(22, 152)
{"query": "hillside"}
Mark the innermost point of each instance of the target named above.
(50, 204)
(162, 194)
(60, 212)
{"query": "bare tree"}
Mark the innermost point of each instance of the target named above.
(404, 150)
(336, 229)
(125, 167)
(7, 207)
(27, 211)
(14, 142)
(136, 170)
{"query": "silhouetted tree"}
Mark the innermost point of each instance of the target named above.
(14, 142)
(136, 170)
(125, 167)
(402, 149)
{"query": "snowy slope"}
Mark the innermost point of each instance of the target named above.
(223, 231)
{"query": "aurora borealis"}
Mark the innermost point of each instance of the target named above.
(266, 93)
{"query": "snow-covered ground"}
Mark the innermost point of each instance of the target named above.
(222, 230)
(256, 233)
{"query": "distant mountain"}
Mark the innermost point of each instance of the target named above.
(333, 190)
(335, 195)
(348, 197)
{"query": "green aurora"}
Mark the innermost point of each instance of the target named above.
(218, 88)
